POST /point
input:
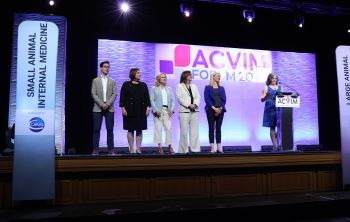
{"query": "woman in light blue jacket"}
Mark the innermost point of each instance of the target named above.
(162, 101)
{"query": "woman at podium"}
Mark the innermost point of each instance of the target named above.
(268, 96)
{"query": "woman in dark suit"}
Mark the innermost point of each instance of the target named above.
(215, 100)
(135, 103)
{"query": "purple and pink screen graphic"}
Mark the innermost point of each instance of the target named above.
(243, 74)
(206, 58)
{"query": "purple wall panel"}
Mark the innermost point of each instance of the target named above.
(243, 71)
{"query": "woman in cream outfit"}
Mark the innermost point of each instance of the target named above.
(162, 101)
(188, 97)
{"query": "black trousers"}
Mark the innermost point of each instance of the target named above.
(214, 123)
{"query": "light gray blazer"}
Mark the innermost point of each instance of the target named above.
(97, 93)
(184, 98)
(157, 100)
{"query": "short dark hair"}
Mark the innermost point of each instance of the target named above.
(104, 62)
(184, 75)
(133, 73)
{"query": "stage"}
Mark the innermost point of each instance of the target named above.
(82, 179)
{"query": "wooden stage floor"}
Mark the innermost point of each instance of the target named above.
(87, 179)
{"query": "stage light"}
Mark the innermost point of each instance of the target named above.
(299, 21)
(51, 2)
(186, 9)
(249, 15)
(124, 7)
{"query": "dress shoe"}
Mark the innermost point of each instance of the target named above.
(95, 152)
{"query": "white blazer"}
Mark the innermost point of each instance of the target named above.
(184, 98)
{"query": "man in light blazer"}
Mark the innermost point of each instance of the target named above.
(188, 97)
(104, 93)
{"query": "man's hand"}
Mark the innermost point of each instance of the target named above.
(104, 106)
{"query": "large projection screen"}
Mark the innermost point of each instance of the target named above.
(243, 74)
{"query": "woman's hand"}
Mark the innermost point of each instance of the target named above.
(217, 110)
(125, 113)
(265, 95)
(148, 110)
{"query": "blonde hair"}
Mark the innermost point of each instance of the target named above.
(212, 75)
(158, 78)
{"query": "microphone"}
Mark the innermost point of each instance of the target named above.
(295, 93)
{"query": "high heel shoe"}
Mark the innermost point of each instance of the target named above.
(111, 152)
(171, 150)
(160, 150)
(212, 148)
(138, 151)
(219, 148)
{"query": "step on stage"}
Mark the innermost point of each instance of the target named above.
(87, 179)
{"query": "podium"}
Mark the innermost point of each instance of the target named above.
(285, 102)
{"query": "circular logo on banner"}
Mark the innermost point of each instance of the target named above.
(36, 124)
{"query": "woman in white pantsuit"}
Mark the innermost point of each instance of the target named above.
(162, 101)
(189, 98)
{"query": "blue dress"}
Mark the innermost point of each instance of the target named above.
(269, 119)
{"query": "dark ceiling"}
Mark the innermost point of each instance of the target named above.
(321, 7)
